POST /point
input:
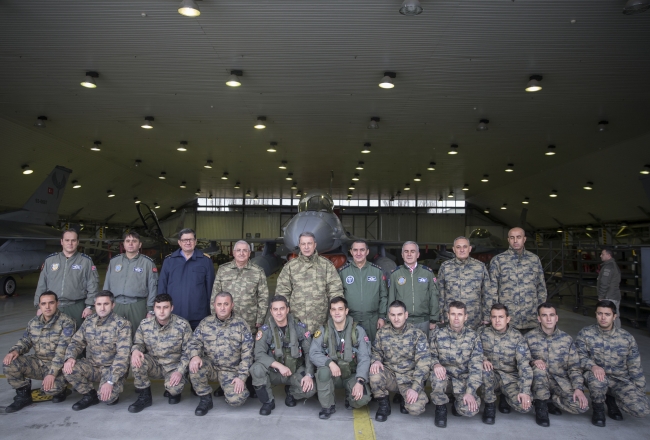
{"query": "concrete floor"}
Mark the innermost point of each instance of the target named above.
(163, 421)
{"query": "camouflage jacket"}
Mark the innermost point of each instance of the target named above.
(418, 290)
(509, 355)
(309, 283)
(365, 290)
(461, 353)
(72, 279)
(227, 344)
(266, 352)
(518, 282)
(405, 352)
(559, 353)
(615, 351)
(107, 342)
(609, 281)
(248, 289)
(132, 279)
(48, 339)
(467, 281)
(166, 344)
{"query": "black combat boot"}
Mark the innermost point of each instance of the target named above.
(347, 404)
(489, 413)
(325, 413)
(541, 413)
(552, 409)
(23, 398)
(454, 411)
(383, 411)
(441, 416)
(267, 406)
(250, 387)
(205, 405)
(504, 406)
(87, 400)
(217, 393)
(400, 399)
(612, 408)
(290, 401)
(58, 398)
(173, 400)
(144, 401)
(598, 415)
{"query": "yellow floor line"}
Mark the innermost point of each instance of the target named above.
(13, 331)
(363, 429)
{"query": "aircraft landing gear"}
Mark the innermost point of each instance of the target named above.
(8, 286)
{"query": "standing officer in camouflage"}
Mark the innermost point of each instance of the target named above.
(282, 358)
(309, 281)
(456, 366)
(107, 340)
(415, 285)
(518, 282)
(611, 362)
(133, 279)
(341, 352)
(400, 363)
(365, 290)
(49, 335)
(609, 281)
(158, 346)
(221, 348)
(467, 280)
(72, 276)
(557, 376)
(506, 366)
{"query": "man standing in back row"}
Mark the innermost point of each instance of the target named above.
(609, 282)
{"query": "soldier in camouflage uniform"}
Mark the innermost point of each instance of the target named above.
(400, 363)
(415, 285)
(506, 366)
(341, 352)
(611, 362)
(309, 281)
(518, 282)
(282, 358)
(158, 346)
(72, 276)
(49, 335)
(221, 348)
(107, 340)
(456, 366)
(364, 285)
(467, 280)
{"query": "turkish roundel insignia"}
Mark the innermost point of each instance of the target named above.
(155, 269)
(93, 268)
(365, 338)
(307, 334)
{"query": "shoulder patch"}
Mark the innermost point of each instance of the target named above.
(427, 268)
(248, 336)
(206, 255)
(317, 334)
(264, 327)
(259, 335)
(167, 256)
(116, 256)
(521, 349)
(374, 265)
(68, 331)
(302, 324)
(148, 258)
(395, 269)
(51, 255)
(421, 346)
(345, 266)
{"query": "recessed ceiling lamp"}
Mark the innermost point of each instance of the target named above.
(189, 8)
(526, 201)
(485, 178)
(510, 168)
(96, 146)
(233, 80)
(163, 175)
(432, 166)
(40, 122)
(137, 163)
(451, 195)
(283, 165)
(534, 83)
(351, 187)
(466, 187)
(417, 178)
(387, 81)
(272, 147)
(453, 149)
(553, 193)
(148, 122)
(183, 184)
(486, 210)
(550, 150)
(366, 148)
(407, 187)
(645, 170)
(602, 126)
(110, 193)
(208, 164)
(224, 176)
(589, 186)
(198, 191)
(183, 146)
(76, 184)
(483, 125)
(89, 82)
(261, 122)
(505, 206)
(27, 169)
(636, 7)
(411, 7)
(294, 185)
(136, 200)
(360, 165)
(374, 123)
(356, 177)
(156, 205)
(173, 209)
(289, 176)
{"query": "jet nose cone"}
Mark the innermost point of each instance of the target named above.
(309, 222)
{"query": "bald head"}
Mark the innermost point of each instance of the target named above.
(516, 239)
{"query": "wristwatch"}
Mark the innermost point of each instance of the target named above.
(109, 382)
(360, 381)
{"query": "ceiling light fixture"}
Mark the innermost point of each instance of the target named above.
(163, 175)
(602, 126)
(233, 80)
(466, 187)
(483, 125)
(550, 150)
(224, 176)
(374, 123)
(96, 146)
(407, 187)
(272, 148)
(173, 209)
(645, 170)
(198, 191)
(589, 186)
(526, 201)
(283, 165)
(636, 7)
(453, 149)
(183, 146)
(351, 187)
(366, 148)
(40, 122)
(451, 194)
(294, 185)
(256, 197)
(387, 81)
(411, 7)
(136, 200)
(356, 177)
(360, 165)
(486, 210)
(432, 166)
(27, 169)
(137, 163)
(261, 122)
(148, 122)
(189, 8)
(299, 193)
(289, 176)
(534, 83)
(208, 164)
(510, 168)
(89, 81)
(76, 184)
(183, 184)
(485, 178)
(110, 193)
(237, 185)
(553, 193)
(505, 206)
(156, 205)
(417, 178)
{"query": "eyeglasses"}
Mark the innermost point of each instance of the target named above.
(187, 240)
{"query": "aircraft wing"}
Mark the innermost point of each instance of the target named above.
(25, 231)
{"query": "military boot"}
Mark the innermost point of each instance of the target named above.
(552, 409)
(489, 413)
(325, 413)
(251, 389)
(217, 393)
(454, 411)
(400, 399)
(612, 408)
(290, 401)
(87, 400)
(205, 405)
(144, 401)
(541, 413)
(268, 404)
(504, 406)
(58, 398)
(173, 400)
(23, 398)
(383, 411)
(598, 415)
(441, 416)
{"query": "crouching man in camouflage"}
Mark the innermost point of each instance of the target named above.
(282, 358)
(610, 359)
(456, 366)
(400, 363)
(341, 351)
(49, 334)
(221, 348)
(158, 346)
(107, 340)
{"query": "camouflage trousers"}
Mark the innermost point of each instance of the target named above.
(547, 386)
(326, 384)
(84, 373)
(493, 384)
(152, 369)
(23, 368)
(209, 373)
(629, 397)
(263, 377)
(441, 388)
(386, 381)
